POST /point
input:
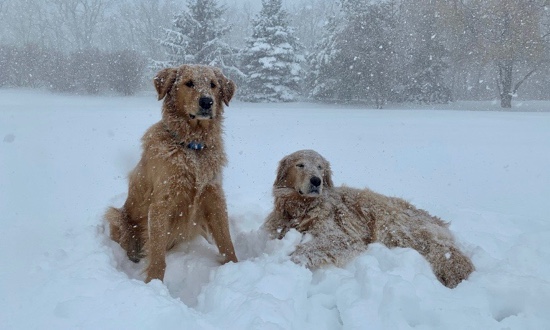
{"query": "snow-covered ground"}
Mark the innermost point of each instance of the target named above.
(64, 159)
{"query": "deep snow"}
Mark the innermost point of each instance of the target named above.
(64, 159)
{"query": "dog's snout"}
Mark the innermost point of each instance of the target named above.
(206, 102)
(315, 181)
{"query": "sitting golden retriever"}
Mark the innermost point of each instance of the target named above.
(175, 192)
(343, 220)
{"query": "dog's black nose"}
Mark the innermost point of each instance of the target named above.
(315, 181)
(206, 102)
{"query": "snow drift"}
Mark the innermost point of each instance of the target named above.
(64, 160)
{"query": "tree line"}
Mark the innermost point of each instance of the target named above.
(424, 51)
(89, 71)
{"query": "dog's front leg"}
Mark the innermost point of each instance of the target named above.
(158, 241)
(329, 245)
(213, 209)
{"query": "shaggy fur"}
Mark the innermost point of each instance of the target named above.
(343, 220)
(175, 192)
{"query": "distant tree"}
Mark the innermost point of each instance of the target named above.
(25, 65)
(325, 75)
(140, 24)
(503, 33)
(74, 24)
(271, 58)
(59, 74)
(309, 18)
(425, 82)
(87, 70)
(513, 36)
(354, 61)
(7, 67)
(126, 71)
(21, 22)
(35, 65)
(196, 37)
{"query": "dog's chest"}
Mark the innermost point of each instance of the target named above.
(173, 159)
(198, 165)
(179, 164)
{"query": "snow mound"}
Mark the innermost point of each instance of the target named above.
(64, 160)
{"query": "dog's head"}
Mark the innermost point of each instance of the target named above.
(194, 91)
(304, 171)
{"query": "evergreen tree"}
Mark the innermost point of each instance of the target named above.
(354, 61)
(324, 77)
(425, 82)
(196, 37)
(270, 58)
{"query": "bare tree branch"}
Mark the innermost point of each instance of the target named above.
(519, 83)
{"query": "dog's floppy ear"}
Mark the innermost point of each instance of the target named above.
(227, 86)
(327, 175)
(164, 80)
(282, 172)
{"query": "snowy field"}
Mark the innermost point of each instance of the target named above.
(64, 159)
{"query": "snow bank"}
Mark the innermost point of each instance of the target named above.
(64, 159)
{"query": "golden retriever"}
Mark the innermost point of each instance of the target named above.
(175, 191)
(343, 220)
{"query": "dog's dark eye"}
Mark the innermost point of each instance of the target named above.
(300, 165)
(319, 167)
(212, 85)
(190, 84)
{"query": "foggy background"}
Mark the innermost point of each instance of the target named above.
(375, 52)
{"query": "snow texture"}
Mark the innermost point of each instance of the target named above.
(64, 159)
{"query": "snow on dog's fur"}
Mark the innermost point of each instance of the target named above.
(343, 220)
(175, 192)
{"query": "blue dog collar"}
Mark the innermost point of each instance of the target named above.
(195, 145)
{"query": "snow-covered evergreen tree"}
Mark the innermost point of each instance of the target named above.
(354, 61)
(271, 58)
(324, 77)
(196, 37)
(425, 82)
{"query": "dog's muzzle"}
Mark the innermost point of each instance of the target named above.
(314, 186)
(205, 109)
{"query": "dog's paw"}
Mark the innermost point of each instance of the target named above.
(300, 260)
(310, 257)
(135, 250)
(135, 258)
(301, 225)
(455, 268)
(225, 258)
(156, 271)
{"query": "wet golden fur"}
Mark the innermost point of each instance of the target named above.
(343, 220)
(175, 192)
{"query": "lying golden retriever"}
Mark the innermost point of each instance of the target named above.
(343, 220)
(175, 192)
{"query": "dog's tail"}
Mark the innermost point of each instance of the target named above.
(116, 221)
(124, 232)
